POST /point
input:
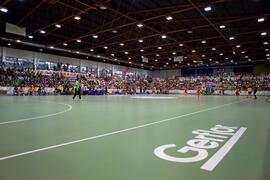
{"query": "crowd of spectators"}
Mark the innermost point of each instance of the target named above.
(18, 78)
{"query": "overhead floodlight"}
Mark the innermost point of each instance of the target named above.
(102, 7)
(4, 10)
(238, 46)
(18, 40)
(169, 18)
(159, 47)
(121, 44)
(65, 44)
(181, 45)
(126, 52)
(77, 17)
(142, 50)
(51, 47)
(157, 55)
(95, 36)
(221, 54)
(140, 25)
(140, 40)
(231, 38)
(91, 50)
(208, 8)
(30, 37)
(263, 33)
(265, 43)
(79, 41)
(260, 19)
(213, 49)
(203, 42)
(58, 26)
(114, 31)
(163, 36)
(77, 52)
(174, 53)
(222, 26)
(42, 32)
(193, 51)
(243, 52)
(105, 47)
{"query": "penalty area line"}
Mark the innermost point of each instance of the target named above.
(117, 132)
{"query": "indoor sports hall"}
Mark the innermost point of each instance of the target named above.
(131, 89)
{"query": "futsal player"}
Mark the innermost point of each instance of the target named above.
(255, 91)
(77, 89)
(249, 89)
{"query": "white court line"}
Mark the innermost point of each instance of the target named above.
(152, 97)
(221, 153)
(39, 117)
(115, 132)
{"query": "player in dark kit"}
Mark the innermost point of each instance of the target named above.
(77, 89)
(255, 91)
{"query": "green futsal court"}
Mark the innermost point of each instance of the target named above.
(134, 138)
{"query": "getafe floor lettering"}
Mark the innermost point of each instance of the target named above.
(205, 139)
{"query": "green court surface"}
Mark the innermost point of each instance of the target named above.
(118, 137)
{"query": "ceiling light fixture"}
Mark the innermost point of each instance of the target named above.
(30, 37)
(140, 40)
(222, 26)
(203, 42)
(140, 25)
(58, 26)
(43, 32)
(77, 18)
(260, 19)
(163, 36)
(169, 18)
(4, 10)
(95, 36)
(208, 8)
(263, 33)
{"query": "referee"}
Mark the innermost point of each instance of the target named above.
(77, 89)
